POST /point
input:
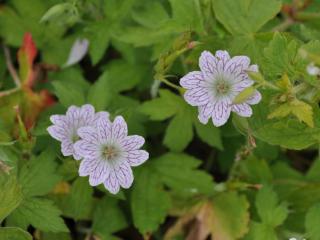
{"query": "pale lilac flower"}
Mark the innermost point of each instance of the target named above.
(65, 127)
(108, 153)
(214, 88)
(313, 70)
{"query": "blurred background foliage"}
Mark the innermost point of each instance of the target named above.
(256, 178)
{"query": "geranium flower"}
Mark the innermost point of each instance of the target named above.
(108, 154)
(214, 88)
(65, 127)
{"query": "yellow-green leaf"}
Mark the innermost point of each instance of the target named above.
(300, 109)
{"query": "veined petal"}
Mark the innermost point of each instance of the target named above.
(87, 166)
(87, 113)
(67, 148)
(89, 134)
(242, 84)
(86, 149)
(119, 128)
(243, 109)
(222, 55)
(111, 183)
(192, 80)
(197, 96)
(73, 114)
(99, 174)
(57, 133)
(98, 115)
(137, 157)
(205, 112)
(76, 156)
(124, 175)
(237, 65)
(59, 120)
(104, 128)
(255, 98)
(208, 65)
(132, 142)
(221, 112)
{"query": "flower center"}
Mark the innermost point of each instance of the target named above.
(110, 152)
(75, 138)
(222, 87)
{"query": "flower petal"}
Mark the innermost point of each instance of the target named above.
(208, 65)
(67, 148)
(104, 127)
(192, 80)
(86, 149)
(87, 113)
(132, 142)
(124, 175)
(99, 174)
(237, 65)
(119, 128)
(76, 156)
(222, 55)
(73, 113)
(255, 98)
(243, 109)
(205, 113)
(59, 120)
(197, 96)
(89, 134)
(221, 112)
(111, 183)
(99, 115)
(137, 157)
(57, 133)
(87, 166)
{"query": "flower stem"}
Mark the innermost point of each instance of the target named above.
(170, 84)
(284, 25)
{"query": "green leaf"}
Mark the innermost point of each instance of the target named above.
(288, 133)
(69, 93)
(311, 222)
(209, 134)
(79, 202)
(99, 94)
(40, 213)
(192, 181)
(149, 202)
(242, 17)
(10, 195)
(280, 57)
(123, 75)
(99, 37)
(163, 107)
(300, 109)
(256, 170)
(187, 15)
(12, 233)
(38, 176)
(230, 216)
(152, 15)
(179, 133)
(108, 217)
(269, 209)
(261, 231)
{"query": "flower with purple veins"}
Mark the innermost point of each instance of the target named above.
(65, 127)
(214, 88)
(108, 153)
